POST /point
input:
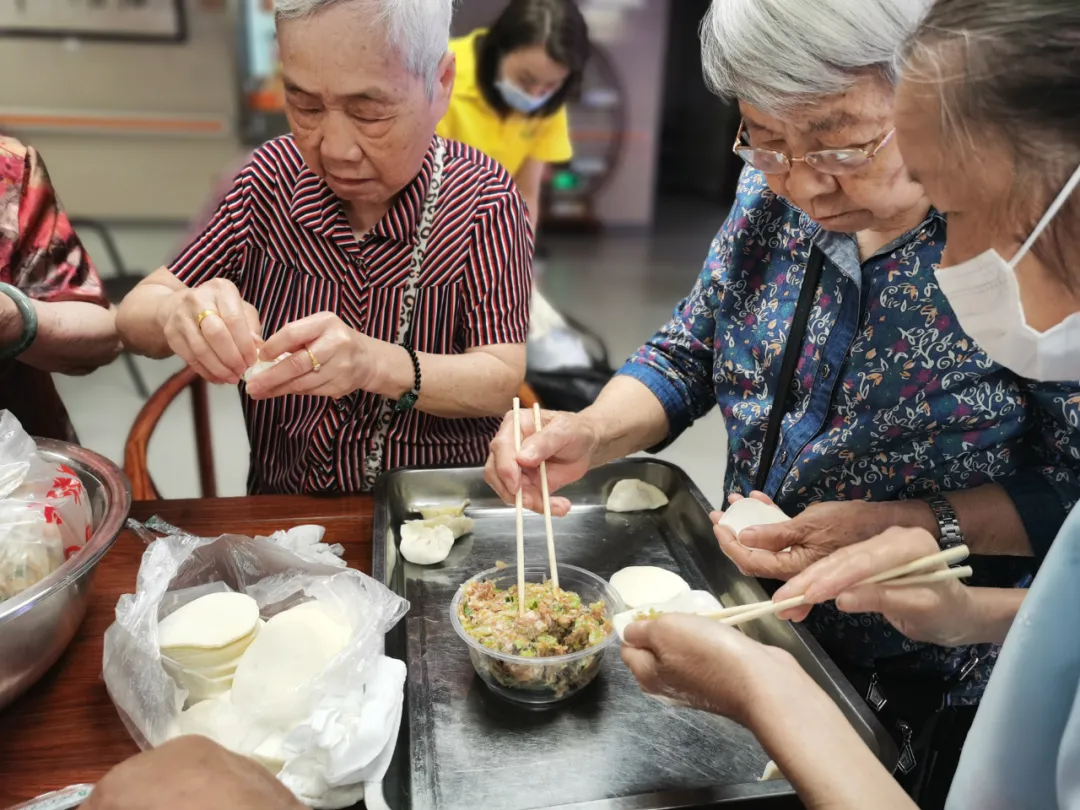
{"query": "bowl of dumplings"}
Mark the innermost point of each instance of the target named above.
(38, 623)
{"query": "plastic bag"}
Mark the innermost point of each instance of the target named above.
(567, 364)
(45, 514)
(351, 710)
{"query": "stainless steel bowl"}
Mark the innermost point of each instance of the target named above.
(37, 625)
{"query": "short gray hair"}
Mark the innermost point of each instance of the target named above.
(419, 30)
(776, 54)
(1009, 70)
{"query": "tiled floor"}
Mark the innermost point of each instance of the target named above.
(625, 286)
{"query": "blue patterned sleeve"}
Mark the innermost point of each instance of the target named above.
(1045, 491)
(677, 362)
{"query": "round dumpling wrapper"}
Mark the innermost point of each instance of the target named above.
(214, 658)
(688, 602)
(210, 622)
(751, 512)
(292, 650)
(641, 585)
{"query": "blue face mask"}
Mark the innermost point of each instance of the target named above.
(518, 99)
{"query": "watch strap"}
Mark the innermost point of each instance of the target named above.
(29, 321)
(948, 523)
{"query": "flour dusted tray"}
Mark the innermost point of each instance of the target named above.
(612, 748)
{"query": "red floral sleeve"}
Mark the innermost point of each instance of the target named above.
(40, 252)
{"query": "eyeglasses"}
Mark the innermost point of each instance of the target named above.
(826, 161)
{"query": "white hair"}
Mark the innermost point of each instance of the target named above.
(776, 54)
(418, 30)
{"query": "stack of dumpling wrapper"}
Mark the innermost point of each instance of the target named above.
(202, 642)
(243, 674)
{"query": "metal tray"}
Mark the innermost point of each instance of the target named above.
(612, 748)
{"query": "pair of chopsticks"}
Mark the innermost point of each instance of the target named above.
(923, 571)
(520, 511)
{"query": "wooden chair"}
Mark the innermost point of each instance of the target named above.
(138, 440)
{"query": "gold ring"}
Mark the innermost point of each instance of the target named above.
(315, 364)
(202, 316)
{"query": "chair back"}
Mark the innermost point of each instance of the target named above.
(138, 440)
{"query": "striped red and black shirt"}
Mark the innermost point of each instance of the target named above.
(282, 236)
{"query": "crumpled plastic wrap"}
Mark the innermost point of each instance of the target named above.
(352, 710)
(45, 514)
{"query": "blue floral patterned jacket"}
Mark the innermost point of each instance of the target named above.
(890, 400)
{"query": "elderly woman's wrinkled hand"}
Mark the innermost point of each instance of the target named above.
(326, 358)
(190, 773)
(212, 329)
(782, 550)
(566, 445)
(941, 613)
(705, 665)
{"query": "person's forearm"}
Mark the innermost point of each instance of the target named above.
(140, 318)
(994, 610)
(626, 418)
(823, 757)
(987, 516)
(532, 203)
(452, 385)
(74, 337)
(528, 181)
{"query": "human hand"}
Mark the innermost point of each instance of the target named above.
(782, 550)
(190, 773)
(706, 665)
(224, 344)
(942, 613)
(347, 360)
(566, 444)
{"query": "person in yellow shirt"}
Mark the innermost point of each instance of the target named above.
(513, 81)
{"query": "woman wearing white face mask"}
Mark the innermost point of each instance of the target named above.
(513, 81)
(988, 122)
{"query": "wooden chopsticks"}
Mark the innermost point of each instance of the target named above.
(521, 516)
(537, 418)
(917, 572)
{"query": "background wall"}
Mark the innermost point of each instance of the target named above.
(160, 177)
(130, 176)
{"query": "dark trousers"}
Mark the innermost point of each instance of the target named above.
(928, 735)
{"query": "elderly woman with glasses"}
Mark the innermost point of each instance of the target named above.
(851, 395)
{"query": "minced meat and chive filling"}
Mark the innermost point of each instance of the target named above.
(555, 621)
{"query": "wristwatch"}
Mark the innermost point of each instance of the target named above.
(29, 322)
(948, 525)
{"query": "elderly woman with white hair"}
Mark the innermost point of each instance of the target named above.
(852, 396)
(1000, 150)
(388, 267)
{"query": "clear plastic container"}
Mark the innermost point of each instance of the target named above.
(540, 682)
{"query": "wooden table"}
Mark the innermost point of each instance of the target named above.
(65, 730)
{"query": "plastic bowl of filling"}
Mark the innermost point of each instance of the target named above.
(535, 673)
